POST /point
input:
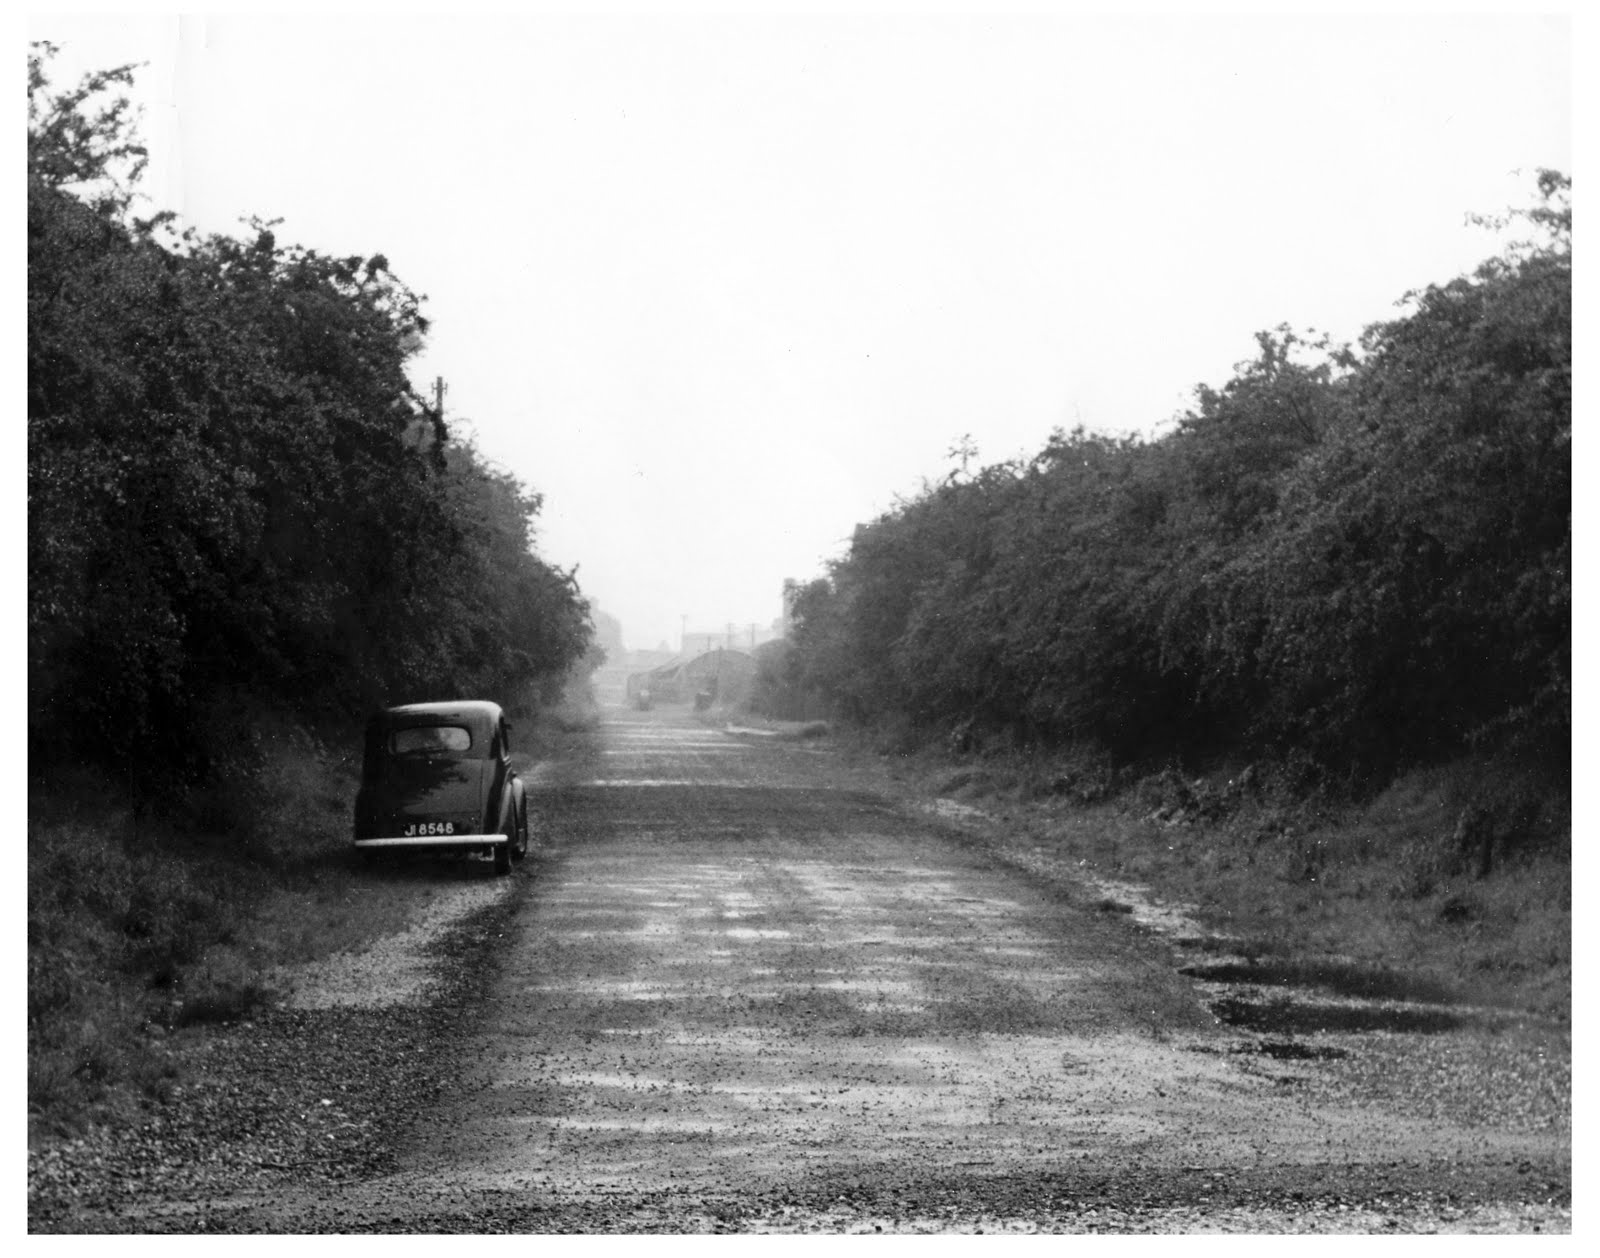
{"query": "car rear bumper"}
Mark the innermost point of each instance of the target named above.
(438, 840)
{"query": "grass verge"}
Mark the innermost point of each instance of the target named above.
(142, 929)
(1452, 884)
(142, 926)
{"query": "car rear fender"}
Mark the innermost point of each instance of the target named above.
(510, 804)
(519, 803)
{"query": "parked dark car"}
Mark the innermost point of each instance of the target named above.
(437, 776)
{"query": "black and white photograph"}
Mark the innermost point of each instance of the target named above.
(886, 622)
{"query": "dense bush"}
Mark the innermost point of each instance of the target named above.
(231, 483)
(1357, 556)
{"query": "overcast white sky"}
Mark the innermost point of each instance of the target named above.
(721, 288)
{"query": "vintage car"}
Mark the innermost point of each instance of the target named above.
(437, 777)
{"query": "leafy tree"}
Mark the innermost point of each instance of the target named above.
(231, 483)
(1079, 553)
(86, 137)
(1418, 579)
(1361, 554)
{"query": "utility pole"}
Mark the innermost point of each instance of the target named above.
(438, 397)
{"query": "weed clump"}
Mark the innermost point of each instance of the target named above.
(137, 917)
(1292, 866)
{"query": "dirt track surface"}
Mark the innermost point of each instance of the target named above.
(733, 994)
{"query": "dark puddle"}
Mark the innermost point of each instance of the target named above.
(1292, 1050)
(1283, 1017)
(1343, 978)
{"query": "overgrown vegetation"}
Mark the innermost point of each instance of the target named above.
(139, 925)
(1452, 884)
(142, 925)
(244, 529)
(1348, 560)
(232, 485)
(1304, 659)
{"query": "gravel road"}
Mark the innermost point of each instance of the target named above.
(737, 988)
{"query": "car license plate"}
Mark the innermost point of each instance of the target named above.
(422, 829)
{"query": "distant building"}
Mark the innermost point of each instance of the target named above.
(721, 674)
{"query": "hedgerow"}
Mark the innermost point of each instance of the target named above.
(232, 485)
(1358, 558)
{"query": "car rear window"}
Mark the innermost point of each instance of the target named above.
(421, 740)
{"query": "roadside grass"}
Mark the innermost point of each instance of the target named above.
(1350, 903)
(139, 926)
(141, 929)
(1452, 884)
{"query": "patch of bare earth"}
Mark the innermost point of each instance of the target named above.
(395, 970)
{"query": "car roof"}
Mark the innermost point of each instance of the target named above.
(479, 712)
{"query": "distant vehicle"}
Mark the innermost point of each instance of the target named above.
(437, 776)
